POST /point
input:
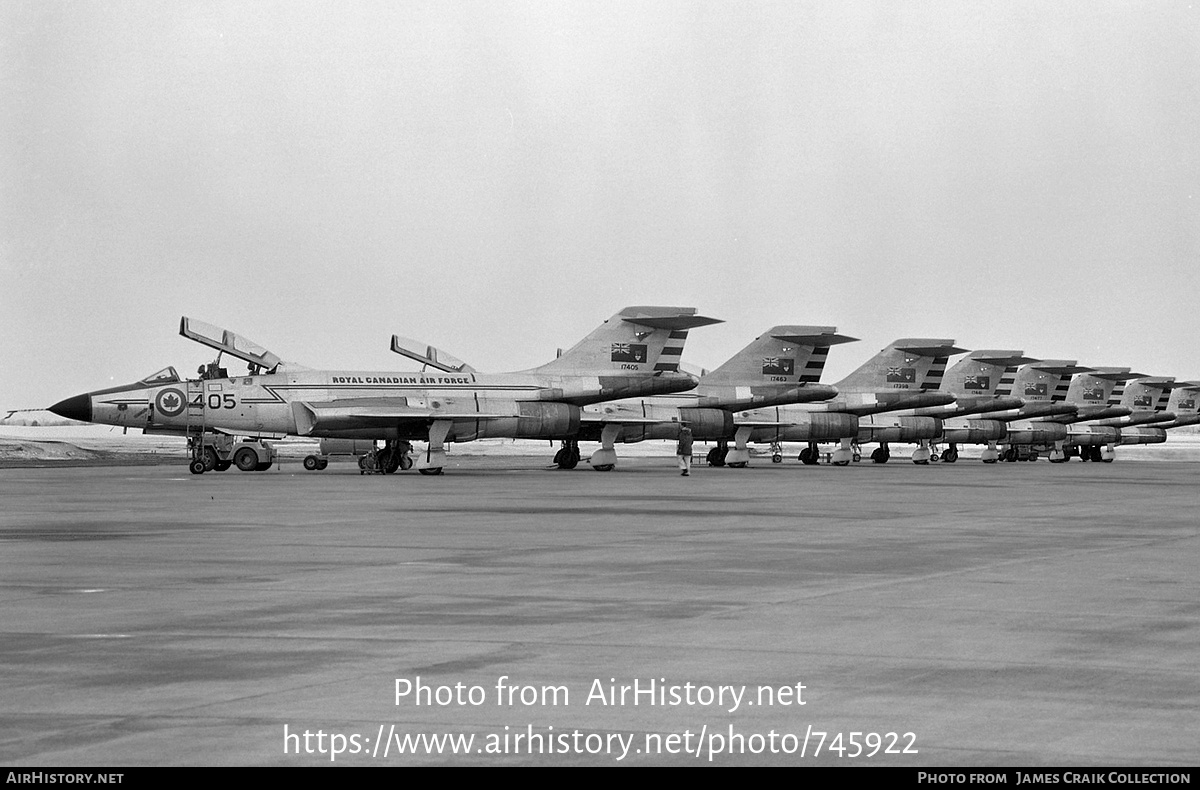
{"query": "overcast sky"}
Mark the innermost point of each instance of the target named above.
(497, 178)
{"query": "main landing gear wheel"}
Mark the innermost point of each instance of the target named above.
(716, 456)
(365, 464)
(777, 458)
(434, 471)
(808, 456)
(387, 461)
(567, 456)
(880, 456)
(312, 463)
(196, 467)
(246, 460)
(950, 456)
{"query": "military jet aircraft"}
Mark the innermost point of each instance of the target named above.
(1184, 403)
(1147, 399)
(781, 366)
(975, 382)
(1083, 405)
(904, 376)
(226, 418)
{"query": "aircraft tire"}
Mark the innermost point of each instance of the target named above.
(322, 463)
(406, 463)
(558, 457)
(856, 457)
(312, 463)
(566, 460)
(437, 470)
(777, 458)
(934, 458)
(950, 456)
(196, 467)
(714, 457)
(246, 459)
(878, 456)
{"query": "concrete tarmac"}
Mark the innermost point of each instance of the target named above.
(1021, 614)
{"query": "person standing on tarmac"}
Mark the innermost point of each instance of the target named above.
(684, 451)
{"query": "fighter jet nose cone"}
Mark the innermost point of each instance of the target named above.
(77, 408)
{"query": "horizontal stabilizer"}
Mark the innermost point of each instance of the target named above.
(822, 340)
(1115, 374)
(944, 348)
(1062, 370)
(987, 358)
(674, 322)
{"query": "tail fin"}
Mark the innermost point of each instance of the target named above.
(635, 340)
(1095, 387)
(783, 355)
(1046, 381)
(1147, 394)
(1185, 398)
(915, 364)
(984, 372)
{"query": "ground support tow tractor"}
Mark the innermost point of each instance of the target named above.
(217, 452)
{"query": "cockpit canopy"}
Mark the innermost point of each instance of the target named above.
(228, 342)
(164, 376)
(428, 355)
